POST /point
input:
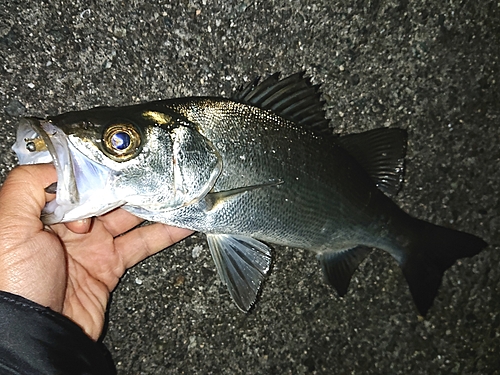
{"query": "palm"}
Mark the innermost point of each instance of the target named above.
(70, 272)
(94, 267)
(96, 261)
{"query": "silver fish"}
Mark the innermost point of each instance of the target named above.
(262, 167)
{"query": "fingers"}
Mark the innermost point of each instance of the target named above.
(119, 221)
(116, 222)
(80, 226)
(143, 242)
(23, 192)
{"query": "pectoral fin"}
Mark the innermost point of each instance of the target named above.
(338, 267)
(215, 198)
(242, 264)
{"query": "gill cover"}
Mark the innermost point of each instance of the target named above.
(196, 165)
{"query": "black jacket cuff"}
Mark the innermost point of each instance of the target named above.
(36, 340)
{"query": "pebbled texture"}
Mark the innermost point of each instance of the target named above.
(429, 67)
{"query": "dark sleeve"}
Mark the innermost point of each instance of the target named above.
(36, 340)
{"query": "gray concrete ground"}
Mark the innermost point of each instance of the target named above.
(427, 66)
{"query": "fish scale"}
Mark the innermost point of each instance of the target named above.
(315, 189)
(260, 168)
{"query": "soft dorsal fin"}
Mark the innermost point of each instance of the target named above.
(294, 98)
(381, 153)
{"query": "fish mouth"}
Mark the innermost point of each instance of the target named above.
(40, 141)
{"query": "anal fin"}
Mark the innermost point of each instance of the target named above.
(242, 264)
(338, 267)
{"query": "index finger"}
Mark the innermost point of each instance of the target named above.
(143, 242)
(119, 221)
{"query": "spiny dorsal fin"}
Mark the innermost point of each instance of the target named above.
(381, 153)
(294, 98)
(338, 267)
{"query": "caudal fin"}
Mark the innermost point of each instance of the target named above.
(433, 250)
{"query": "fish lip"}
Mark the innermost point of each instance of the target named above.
(55, 140)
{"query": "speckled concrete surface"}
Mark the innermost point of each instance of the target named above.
(429, 67)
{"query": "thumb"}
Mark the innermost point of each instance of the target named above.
(32, 261)
(22, 196)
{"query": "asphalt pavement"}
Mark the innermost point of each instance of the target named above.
(426, 66)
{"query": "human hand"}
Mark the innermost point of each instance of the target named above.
(72, 267)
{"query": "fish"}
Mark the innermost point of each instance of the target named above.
(261, 168)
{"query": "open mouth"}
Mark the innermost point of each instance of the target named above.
(83, 185)
(39, 141)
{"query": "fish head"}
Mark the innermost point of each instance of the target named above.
(107, 157)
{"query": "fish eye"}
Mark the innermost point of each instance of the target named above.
(121, 141)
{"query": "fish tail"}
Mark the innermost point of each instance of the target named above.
(432, 250)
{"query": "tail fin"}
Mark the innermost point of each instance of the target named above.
(433, 250)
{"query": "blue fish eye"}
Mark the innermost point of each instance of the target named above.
(120, 141)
